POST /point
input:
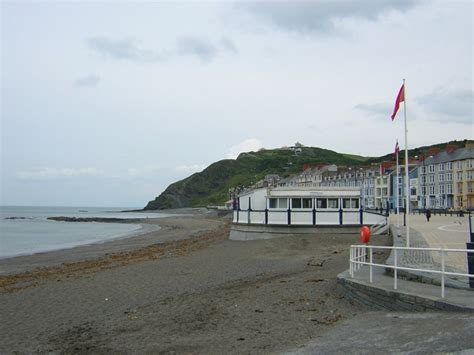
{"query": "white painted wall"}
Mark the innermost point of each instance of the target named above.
(323, 217)
(257, 199)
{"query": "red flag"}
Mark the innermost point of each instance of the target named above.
(397, 148)
(400, 98)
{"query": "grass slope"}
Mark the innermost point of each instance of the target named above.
(211, 186)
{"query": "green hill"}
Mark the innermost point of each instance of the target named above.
(211, 186)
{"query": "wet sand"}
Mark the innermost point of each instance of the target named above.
(185, 288)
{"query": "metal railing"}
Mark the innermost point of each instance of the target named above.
(440, 212)
(361, 255)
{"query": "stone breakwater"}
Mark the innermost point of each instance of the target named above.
(94, 219)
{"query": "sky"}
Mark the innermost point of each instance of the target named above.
(107, 103)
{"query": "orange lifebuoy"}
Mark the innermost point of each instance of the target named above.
(364, 234)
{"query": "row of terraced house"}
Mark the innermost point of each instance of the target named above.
(439, 180)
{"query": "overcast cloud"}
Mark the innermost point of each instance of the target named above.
(185, 46)
(122, 49)
(108, 103)
(58, 173)
(377, 110)
(87, 82)
(321, 16)
(452, 104)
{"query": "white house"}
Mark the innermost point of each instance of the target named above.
(303, 205)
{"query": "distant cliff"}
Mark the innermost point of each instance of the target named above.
(211, 186)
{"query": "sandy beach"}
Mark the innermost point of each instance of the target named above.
(184, 288)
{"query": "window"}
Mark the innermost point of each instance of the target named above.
(432, 189)
(322, 203)
(449, 177)
(423, 190)
(333, 203)
(273, 203)
(449, 188)
(295, 203)
(449, 166)
(469, 163)
(459, 165)
(307, 203)
(413, 191)
(441, 189)
(469, 175)
(431, 168)
(282, 203)
(441, 167)
(441, 177)
(431, 177)
(350, 203)
(459, 175)
(278, 203)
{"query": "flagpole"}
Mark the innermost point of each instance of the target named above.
(398, 197)
(407, 180)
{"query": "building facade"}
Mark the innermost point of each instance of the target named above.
(442, 180)
(446, 180)
(398, 190)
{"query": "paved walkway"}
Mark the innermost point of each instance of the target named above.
(397, 333)
(409, 331)
(449, 232)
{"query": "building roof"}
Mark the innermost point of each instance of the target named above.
(314, 192)
(444, 157)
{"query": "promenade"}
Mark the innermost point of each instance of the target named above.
(401, 323)
(419, 290)
(449, 232)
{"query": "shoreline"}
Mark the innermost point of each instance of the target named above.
(146, 225)
(151, 231)
(185, 288)
(142, 228)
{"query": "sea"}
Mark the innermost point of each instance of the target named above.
(26, 230)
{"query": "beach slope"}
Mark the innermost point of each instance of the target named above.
(183, 288)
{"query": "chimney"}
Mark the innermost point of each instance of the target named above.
(433, 151)
(450, 148)
(469, 144)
